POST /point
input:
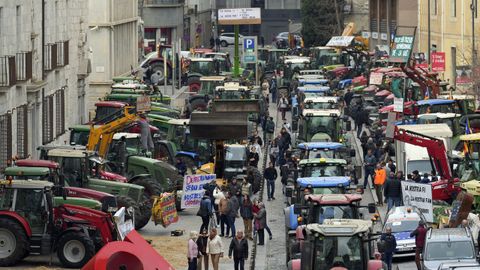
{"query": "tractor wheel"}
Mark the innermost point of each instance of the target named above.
(158, 66)
(257, 179)
(75, 249)
(13, 242)
(152, 188)
(124, 201)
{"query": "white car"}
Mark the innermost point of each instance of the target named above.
(229, 38)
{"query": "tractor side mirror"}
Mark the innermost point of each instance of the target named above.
(372, 209)
(353, 153)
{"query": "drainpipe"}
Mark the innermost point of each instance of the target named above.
(43, 40)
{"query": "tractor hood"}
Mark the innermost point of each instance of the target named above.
(330, 181)
(108, 201)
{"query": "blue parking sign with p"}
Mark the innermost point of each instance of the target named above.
(249, 43)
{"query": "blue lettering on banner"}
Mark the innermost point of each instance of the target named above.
(193, 189)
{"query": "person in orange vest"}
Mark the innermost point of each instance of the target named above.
(379, 180)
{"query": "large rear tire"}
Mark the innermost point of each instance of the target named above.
(127, 202)
(152, 188)
(75, 249)
(13, 242)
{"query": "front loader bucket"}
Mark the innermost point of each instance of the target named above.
(237, 105)
(133, 253)
(218, 126)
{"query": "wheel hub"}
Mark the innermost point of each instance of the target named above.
(8, 243)
(74, 251)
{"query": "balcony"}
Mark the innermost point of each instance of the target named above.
(24, 66)
(159, 3)
(50, 57)
(8, 76)
(62, 53)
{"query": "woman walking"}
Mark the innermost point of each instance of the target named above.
(192, 251)
(215, 248)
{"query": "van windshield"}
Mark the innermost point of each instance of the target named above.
(449, 250)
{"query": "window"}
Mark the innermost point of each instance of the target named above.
(5, 140)
(47, 119)
(454, 8)
(59, 112)
(1, 21)
(18, 20)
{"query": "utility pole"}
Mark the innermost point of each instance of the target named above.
(474, 51)
(429, 37)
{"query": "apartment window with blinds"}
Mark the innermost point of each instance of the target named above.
(22, 131)
(59, 112)
(47, 119)
(5, 140)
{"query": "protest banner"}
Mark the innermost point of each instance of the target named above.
(164, 210)
(419, 196)
(193, 189)
(376, 78)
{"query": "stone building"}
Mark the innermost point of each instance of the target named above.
(113, 43)
(43, 67)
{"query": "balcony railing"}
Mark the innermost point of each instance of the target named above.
(50, 57)
(62, 53)
(24, 66)
(164, 2)
(8, 76)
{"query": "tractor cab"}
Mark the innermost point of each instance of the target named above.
(466, 103)
(322, 167)
(313, 150)
(437, 106)
(314, 90)
(451, 119)
(336, 244)
(292, 65)
(319, 126)
(233, 90)
(275, 58)
(319, 81)
(321, 103)
(316, 185)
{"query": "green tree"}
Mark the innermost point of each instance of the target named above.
(321, 19)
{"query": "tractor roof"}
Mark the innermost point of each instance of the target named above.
(340, 227)
(321, 99)
(27, 184)
(334, 199)
(213, 78)
(128, 85)
(470, 137)
(326, 161)
(197, 59)
(457, 97)
(429, 102)
(326, 181)
(231, 86)
(432, 116)
(320, 145)
(37, 163)
(311, 112)
(115, 104)
(62, 152)
(179, 122)
(26, 171)
(312, 79)
(127, 135)
(299, 60)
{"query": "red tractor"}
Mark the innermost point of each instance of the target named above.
(30, 225)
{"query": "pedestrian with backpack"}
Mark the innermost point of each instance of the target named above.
(269, 129)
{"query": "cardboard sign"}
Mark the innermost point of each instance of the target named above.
(340, 41)
(193, 189)
(124, 226)
(402, 49)
(164, 210)
(398, 105)
(419, 196)
(438, 61)
(143, 104)
(390, 131)
(376, 78)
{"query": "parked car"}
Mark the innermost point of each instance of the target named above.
(229, 38)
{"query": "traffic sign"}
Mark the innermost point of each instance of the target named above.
(250, 50)
(249, 43)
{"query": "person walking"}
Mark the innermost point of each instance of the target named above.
(223, 209)
(284, 173)
(273, 90)
(420, 233)
(246, 188)
(390, 244)
(282, 106)
(217, 195)
(202, 250)
(274, 152)
(265, 90)
(192, 253)
(269, 130)
(217, 44)
(246, 212)
(393, 193)
(348, 96)
(239, 248)
(233, 206)
(205, 211)
(369, 165)
(253, 157)
(261, 223)
(270, 175)
(234, 186)
(215, 248)
(379, 181)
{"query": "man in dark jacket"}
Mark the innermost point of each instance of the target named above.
(202, 249)
(420, 233)
(348, 96)
(233, 206)
(205, 211)
(239, 248)
(390, 245)
(284, 173)
(370, 161)
(270, 175)
(393, 192)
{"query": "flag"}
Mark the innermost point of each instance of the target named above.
(427, 93)
(468, 130)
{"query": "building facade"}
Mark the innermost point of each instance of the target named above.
(113, 43)
(450, 32)
(387, 15)
(357, 11)
(43, 67)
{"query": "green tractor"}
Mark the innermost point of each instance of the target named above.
(320, 126)
(233, 97)
(76, 166)
(131, 98)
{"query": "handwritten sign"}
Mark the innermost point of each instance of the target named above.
(124, 226)
(164, 211)
(143, 104)
(419, 196)
(376, 78)
(193, 189)
(402, 49)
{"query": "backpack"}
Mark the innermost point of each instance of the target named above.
(270, 127)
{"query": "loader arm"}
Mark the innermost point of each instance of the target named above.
(435, 148)
(424, 79)
(101, 136)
